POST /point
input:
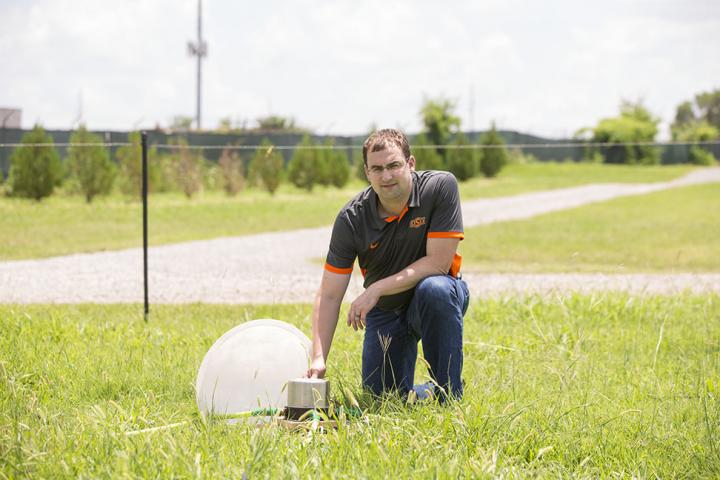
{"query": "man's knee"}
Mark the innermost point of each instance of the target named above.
(436, 289)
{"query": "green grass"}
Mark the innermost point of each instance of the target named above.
(675, 230)
(522, 178)
(62, 224)
(66, 224)
(587, 386)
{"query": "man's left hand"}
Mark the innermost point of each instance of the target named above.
(361, 307)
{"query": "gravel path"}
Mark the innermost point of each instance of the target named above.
(284, 267)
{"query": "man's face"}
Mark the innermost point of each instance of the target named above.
(389, 174)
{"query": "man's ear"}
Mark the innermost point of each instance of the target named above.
(367, 172)
(411, 162)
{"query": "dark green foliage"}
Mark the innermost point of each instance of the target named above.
(426, 157)
(266, 166)
(708, 104)
(306, 168)
(90, 166)
(439, 122)
(359, 165)
(324, 159)
(462, 162)
(684, 114)
(231, 171)
(699, 122)
(339, 168)
(495, 157)
(634, 124)
(35, 171)
(129, 159)
(700, 156)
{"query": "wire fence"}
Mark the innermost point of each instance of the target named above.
(509, 146)
(664, 152)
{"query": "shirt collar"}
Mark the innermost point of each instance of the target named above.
(413, 201)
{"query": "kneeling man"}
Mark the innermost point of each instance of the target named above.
(404, 229)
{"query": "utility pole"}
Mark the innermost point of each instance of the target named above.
(198, 50)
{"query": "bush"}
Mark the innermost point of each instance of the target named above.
(635, 124)
(305, 167)
(700, 156)
(494, 158)
(462, 162)
(426, 157)
(516, 156)
(359, 165)
(129, 159)
(35, 171)
(188, 167)
(90, 167)
(267, 166)
(231, 172)
(162, 172)
(324, 158)
(338, 167)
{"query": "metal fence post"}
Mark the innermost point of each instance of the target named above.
(143, 136)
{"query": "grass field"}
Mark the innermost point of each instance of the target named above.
(515, 179)
(588, 386)
(62, 224)
(675, 230)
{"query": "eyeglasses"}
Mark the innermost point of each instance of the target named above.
(392, 167)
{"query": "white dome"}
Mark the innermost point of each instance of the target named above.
(247, 368)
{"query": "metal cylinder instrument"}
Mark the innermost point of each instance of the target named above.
(307, 394)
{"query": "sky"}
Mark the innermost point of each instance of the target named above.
(341, 67)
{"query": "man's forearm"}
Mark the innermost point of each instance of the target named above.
(324, 322)
(408, 277)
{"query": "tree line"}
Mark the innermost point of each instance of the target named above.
(36, 171)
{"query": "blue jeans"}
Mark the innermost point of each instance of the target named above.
(435, 316)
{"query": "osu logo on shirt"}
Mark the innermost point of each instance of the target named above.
(417, 222)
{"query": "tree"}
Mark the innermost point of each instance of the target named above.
(267, 165)
(359, 164)
(129, 159)
(494, 156)
(225, 125)
(181, 123)
(439, 121)
(462, 161)
(684, 114)
(339, 168)
(90, 166)
(634, 124)
(698, 123)
(277, 123)
(188, 167)
(426, 157)
(305, 168)
(231, 171)
(35, 171)
(708, 104)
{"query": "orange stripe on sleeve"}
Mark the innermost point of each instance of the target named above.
(340, 271)
(459, 235)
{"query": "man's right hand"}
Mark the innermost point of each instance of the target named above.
(317, 369)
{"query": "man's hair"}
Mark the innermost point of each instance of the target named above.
(382, 139)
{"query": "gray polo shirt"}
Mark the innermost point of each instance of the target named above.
(385, 246)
